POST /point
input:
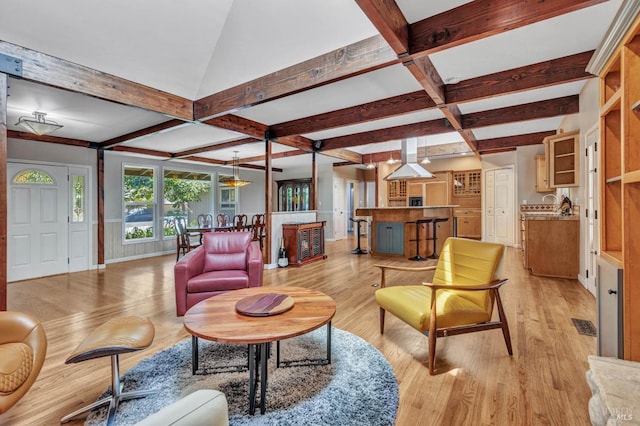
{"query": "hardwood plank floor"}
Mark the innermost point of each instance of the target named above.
(478, 383)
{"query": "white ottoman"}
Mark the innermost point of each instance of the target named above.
(202, 407)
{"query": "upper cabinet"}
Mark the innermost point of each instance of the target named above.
(563, 163)
(397, 193)
(542, 177)
(466, 183)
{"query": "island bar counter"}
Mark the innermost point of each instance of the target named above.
(393, 230)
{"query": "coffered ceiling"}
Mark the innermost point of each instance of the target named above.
(198, 80)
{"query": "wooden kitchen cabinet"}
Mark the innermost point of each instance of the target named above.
(561, 152)
(542, 178)
(550, 246)
(434, 192)
(467, 183)
(397, 193)
(469, 223)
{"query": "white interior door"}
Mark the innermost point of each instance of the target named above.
(37, 221)
(489, 206)
(504, 210)
(339, 208)
(593, 234)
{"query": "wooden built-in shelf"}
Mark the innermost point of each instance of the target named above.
(632, 177)
(612, 104)
(613, 179)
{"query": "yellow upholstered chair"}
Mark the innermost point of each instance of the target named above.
(23, 346)
(459, 300)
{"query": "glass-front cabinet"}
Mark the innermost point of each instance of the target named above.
(294, 195)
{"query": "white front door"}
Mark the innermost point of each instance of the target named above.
(339, 207)
(37, 221)
(593, 235)
(504, 210)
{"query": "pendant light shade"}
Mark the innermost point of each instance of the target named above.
(37, 124)
(234, 180)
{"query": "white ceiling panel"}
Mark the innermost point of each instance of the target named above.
(561, 36)
(414, 11)
(261, 37)
(383, 83)
(181, 138)
(83, 117)
(520, 128)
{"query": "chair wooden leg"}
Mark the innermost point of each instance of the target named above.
(433, 326)
(381, 321)
(505, 325)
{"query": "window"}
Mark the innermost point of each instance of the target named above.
(34, 176)
(186, 194)
(227, 201)
(78, 198)
(139, 202)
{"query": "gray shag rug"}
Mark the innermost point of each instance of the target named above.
(357, 388)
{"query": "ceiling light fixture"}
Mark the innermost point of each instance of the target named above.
(371, 165)
(425, 160)
(234, 180)
(391, 161)
(38, 124)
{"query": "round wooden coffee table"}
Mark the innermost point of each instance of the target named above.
(218, 320)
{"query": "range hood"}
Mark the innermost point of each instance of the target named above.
(410, 169)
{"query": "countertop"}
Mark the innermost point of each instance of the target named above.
(547, 216)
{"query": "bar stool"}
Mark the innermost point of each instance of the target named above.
(358, 250)
(435, 222)
(418, 223)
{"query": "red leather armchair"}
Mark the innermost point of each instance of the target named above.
(225, 261)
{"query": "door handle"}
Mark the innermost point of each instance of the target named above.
(611, 291)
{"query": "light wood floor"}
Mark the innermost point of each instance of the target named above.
(478, 383)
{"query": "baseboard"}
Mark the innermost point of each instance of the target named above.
(140, 256)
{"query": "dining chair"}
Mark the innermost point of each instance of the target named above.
(240, 222)
(184, 240)
(223, 219)
(258, 228)
(205, 220)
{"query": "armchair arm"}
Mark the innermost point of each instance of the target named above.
(490, 286)
(383, 269)
(255, 267)
(187, 267)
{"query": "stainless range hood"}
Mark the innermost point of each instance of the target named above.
(410, 169)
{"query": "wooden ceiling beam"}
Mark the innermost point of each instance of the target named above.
(387, 134)
(543, 74)
(532, 111)
(12, 134)
(239, 124)
(144, 151)
(140, 133)
(388, 19)
(223, 163)
(344, 154)
(283, 154)
(215, 147)
(512, 142)
(376, 110)
(42, 68)
(483, 18)
(349, 61)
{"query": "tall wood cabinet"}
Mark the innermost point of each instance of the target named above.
(617, 63)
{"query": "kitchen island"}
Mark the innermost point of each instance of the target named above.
(392, 230)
